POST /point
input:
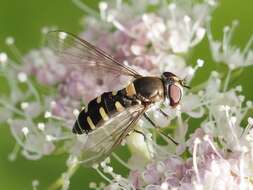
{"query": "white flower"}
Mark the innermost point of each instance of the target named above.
(141, 149)
(174, 64)
(224, 51)
(192, 105)
(45, 65)
(212, 148)
(3, 58)
(177, 31)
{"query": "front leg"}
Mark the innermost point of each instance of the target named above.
(141, 133)
(159, 129)
(164, 114)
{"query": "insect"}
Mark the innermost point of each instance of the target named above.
(110, 117)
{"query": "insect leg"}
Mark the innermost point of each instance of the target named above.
(159, 129)
(150, 121)
(140, 132)
(162, 112)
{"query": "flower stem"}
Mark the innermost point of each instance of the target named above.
(227, 80)
(198, 87)
(121, 161)
(85, 8)
(59, 183)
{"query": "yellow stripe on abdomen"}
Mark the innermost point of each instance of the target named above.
(114, 93)
(103, 114)
(119, 106)
(99, 99)
(130, 89)
(90, 122)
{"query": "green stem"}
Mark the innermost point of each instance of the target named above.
(59, 183)
(198, 87)
(86, 8)
(227, 80)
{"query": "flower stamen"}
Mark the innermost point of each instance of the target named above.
(197, 141)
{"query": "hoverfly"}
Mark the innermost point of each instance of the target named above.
(110, 117)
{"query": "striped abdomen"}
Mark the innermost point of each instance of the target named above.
(146, 90)
(100, 110)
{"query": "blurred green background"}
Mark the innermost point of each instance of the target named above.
(24, 19)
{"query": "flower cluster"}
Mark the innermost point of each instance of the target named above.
(45, 94)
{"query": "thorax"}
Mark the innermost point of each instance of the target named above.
(149, 89)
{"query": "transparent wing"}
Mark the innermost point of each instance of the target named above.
(101, 142)
(83, 55)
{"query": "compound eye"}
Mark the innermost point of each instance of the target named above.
(174, 94)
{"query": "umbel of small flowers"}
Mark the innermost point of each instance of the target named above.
(43, 97)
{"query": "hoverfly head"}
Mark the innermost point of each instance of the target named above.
(173, 88)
